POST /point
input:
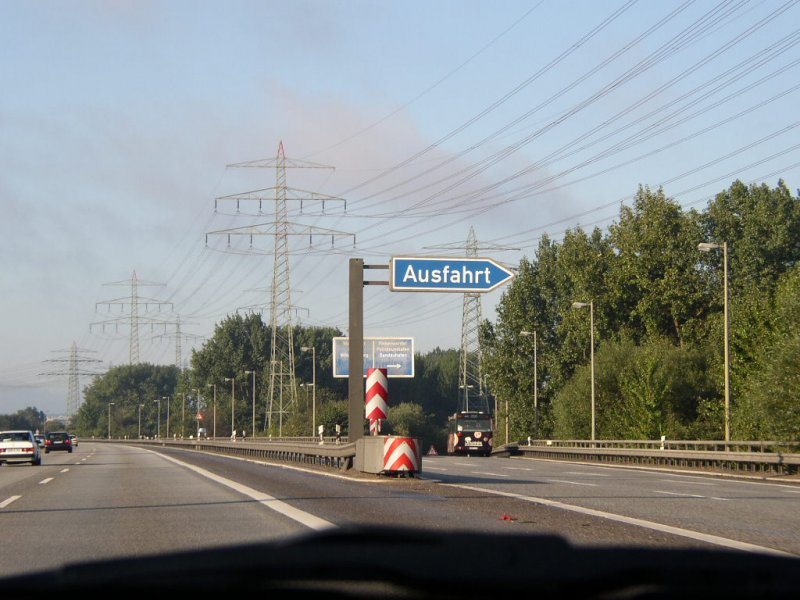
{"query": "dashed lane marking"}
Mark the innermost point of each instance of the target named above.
(9, 500)
(687, 533)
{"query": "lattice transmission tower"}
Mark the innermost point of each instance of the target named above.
(132, 318)
(74, 359)
(282, 394)
(179, 336)
(472, 392)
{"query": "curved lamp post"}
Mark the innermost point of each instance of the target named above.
(110, 404)
(253, 373)
(535, 385)
(233, 397)
(214, 430)
(314, 387)
(708, 247)
(590, 304)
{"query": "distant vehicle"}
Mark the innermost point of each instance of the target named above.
(470, 432)
(39, 439)
(57, 440)
(74, 439)
(202, 433)
(19, 446)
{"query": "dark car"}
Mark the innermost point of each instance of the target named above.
(57, 440)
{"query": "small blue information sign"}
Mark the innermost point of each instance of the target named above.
(395, 354)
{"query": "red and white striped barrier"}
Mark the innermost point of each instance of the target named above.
(401, 454)
(377, 407)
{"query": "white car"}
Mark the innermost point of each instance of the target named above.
(19, 446)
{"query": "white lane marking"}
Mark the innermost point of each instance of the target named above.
(64, 470)
(681, 494)
(9, 500)
(587, 474)
(687, 482)
(684, 495)
(43, 481)
(464, 464)
(791, 491)
(722, 477)
(570, 482)
(430, 468)
(688, 533)
(490, 474)
(287, 510)
(518, 469)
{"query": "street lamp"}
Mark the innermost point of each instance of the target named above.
(314, 386)
(140, 420)
(183, 414)
(214, 430)
(590, 304)
(253, 373)
(708, 247)
(110, 404)
(233, 393)
(535, 385)
(167, 398)
(158, 427)
(197, 408)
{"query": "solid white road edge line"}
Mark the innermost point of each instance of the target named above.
(302, 517)
(695, 535)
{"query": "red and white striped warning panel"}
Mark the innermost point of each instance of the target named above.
(374, 426)
(377, 406)
(401, 454)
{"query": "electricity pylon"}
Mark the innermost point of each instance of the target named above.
(472, 392)
(133, 318)
(179, 337)
(73, 372)
(282, 384)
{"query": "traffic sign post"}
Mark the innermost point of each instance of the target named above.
(436, 274)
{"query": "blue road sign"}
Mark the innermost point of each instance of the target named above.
(395, 354)
(430, 274)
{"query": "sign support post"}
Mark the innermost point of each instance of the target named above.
(355, 379)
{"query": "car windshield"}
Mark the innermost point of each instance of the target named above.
(279, 272)
(15, 436)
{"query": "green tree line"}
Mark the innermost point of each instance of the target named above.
(658, 312)
(657, 307)
(149, 400)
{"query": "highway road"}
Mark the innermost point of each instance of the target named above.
(109, 500)
(737, 513)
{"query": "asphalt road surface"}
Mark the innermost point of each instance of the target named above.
(114, 500)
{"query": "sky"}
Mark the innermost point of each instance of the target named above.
(120, 122)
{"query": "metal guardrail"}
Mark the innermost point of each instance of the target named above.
(307, 451)
(707, 445)
(774, 458)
